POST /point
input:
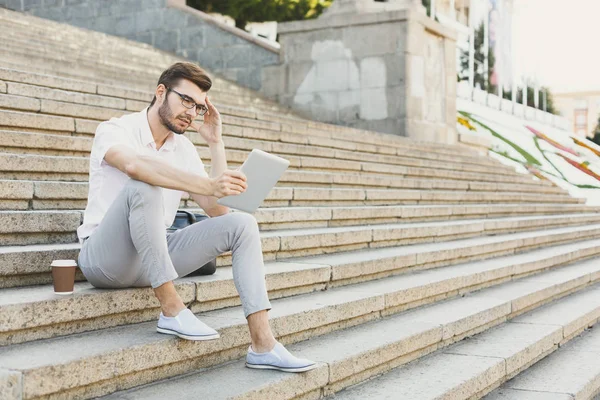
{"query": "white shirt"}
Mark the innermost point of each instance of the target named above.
(106, 182)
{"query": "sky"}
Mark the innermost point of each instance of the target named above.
(555, 41)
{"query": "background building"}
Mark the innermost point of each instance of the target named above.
(582, 108)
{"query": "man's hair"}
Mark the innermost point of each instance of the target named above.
(184, 70)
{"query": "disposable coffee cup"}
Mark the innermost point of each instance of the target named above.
(63, 276)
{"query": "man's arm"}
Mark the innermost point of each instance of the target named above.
(158, 172)
(211, 131)
(218, 165)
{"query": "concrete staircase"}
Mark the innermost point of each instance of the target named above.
(382, 253)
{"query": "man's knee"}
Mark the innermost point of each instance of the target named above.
(145, 189)
(243, 221)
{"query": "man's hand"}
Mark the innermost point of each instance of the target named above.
(229, 183)
(212, 128)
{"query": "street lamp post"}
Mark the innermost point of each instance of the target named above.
(545, 100)
(471, 46)
(486, 47)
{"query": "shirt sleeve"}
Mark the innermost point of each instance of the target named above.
(195, 164)
(108, 134)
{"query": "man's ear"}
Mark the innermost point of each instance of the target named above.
(161, 92)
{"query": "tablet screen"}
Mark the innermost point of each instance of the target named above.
(262, 171)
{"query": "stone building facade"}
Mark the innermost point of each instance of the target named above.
(385, 67)
(168, 25)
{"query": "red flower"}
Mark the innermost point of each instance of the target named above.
(552, 142)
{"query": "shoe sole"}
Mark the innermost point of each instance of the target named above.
(187, 337)
(273, 367)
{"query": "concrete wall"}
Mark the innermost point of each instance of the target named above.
(391, 71)
(168, 25)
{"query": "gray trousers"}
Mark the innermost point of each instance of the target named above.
(130, 247)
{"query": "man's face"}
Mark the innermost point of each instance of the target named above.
(173, 115)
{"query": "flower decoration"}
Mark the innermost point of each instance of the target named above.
(552, 142)
(580, 166)
(465, 122)
(587, 146)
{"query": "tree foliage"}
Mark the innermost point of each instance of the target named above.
(596, 138)
(244, 11)
(481, 78)
(531, 98)
(427, 4)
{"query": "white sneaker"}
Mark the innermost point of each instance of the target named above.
(187, 326)
(278, 358)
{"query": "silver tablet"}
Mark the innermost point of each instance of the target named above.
(262, 171)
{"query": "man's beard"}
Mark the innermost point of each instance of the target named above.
(166, 117)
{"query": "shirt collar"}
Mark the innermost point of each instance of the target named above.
(146, 134)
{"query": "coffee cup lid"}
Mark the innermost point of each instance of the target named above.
(64, 263)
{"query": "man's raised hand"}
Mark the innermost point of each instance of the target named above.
(212, 128)
(230, 183)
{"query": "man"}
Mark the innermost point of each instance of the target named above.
(139, 167)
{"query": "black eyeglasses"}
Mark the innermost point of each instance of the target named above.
(189, 103)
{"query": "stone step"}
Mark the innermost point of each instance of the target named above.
(56, 32)
(75, 88)
(24, 194)
(477, 365)
(301, 154)
(223, 90)
(571, 372)
(35, 85)
(315, 196)
(41, 167)
(324, 147)
(72, 72)
(55, 195)
(74, 41)
(109, 54)
(58, 316)
(48, 31)
(295, 217)
(133, 355)
(46, 55)
(82, 46)
(66, 47)
(450, 149)
(39, 227)
(30, 265)
(301, 157)
(33, 227)
(68, 67)
(132, 101)
(95, 62)
(16, 90)
(26, 113)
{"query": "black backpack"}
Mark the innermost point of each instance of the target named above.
(183, 219)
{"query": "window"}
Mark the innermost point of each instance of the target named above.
(581, 117)
(581, 104)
